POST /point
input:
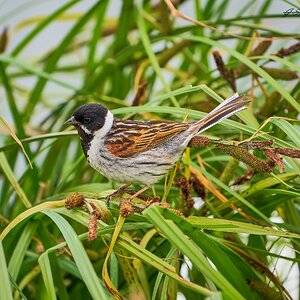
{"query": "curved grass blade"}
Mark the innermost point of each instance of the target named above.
(233, 193)
(147, 45)
(158, 263)
(82, 261)
(96, 34)
(36, 30)
(13, 181)
(245, 60)
(20, 249)
(161, 279)
(174, 234)
(36, 138)
(14, 136)
(54, 58)
(5, 291)
(29, 212)
(291, 131)
(238, 227)
(31, 70)
(285, 62)
(45, 267)
(267, 183)
(105, 273)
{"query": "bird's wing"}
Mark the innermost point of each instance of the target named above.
(128, 138)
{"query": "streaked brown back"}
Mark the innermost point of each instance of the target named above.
(128, 138)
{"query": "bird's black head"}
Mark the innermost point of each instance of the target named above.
(88, 118)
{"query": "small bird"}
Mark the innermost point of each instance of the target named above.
(141, 152)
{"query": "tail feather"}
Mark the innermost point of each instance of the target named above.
(225, 110)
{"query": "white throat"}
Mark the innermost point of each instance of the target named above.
(85, 129)
(108, 123)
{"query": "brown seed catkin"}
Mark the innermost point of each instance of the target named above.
(74, 200)
(126, 208)
(271, 154)
(288, 152)
(288, 51)
(243, 155)
(199, 142)
(257, 144)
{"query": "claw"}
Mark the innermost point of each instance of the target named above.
(121, 190)
(115, 194)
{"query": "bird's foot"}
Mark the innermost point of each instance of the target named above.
(115, 194)
(138, 193)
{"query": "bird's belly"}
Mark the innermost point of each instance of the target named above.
(128, 170)
(146, 168)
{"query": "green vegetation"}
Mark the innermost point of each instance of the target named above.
(228, 246)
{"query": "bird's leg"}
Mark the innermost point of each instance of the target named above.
(146, 187)
(115, 194)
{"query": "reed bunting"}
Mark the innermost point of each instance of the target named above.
(139, 151)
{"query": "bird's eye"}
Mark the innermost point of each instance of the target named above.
(86, 120)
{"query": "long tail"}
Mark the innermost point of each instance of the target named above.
(225, 110)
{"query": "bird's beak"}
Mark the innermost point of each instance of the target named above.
(71, 121)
